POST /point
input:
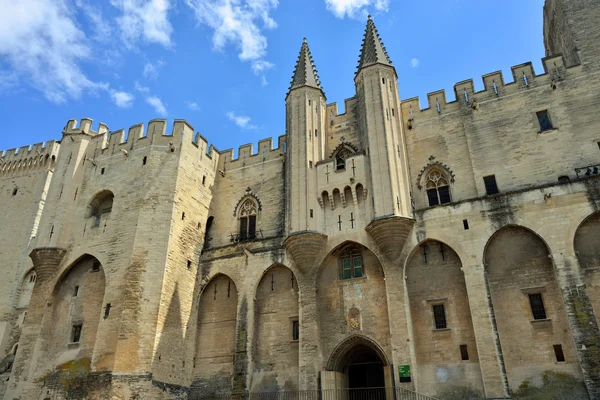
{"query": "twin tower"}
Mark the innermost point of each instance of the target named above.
(361, 153)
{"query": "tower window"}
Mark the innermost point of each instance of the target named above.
(465, 224)
(15, 191)
(490, 184)
(102, 171)
(438, 191)
(204, 180)
(107, 310)
(75, 291)
(537, 306)
(464, 353)
(351, 263)
(311, 212)
(544, 120)
(247, 213)
(76, 333)
(558, 352)
(439, 316)
(144, 160)
(383, 81)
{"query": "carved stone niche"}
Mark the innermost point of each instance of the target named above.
(304, 247)
(390, 235)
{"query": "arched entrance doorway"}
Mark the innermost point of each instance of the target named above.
(358, 367)
(364, 368)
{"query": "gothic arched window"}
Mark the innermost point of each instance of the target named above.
(247, 216)
(438, 189)
(351, 264)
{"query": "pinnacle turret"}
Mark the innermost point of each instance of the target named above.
(373, 51)
(305, 73)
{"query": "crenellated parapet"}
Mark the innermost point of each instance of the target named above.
(246, 156)
(153, 134)
(26, 158)
(524, 78)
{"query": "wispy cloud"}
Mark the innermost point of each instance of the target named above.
(158, 105)
(355, 8)
(192, 105)
(414, 62)
(259, 67)
(152, 70)
(122, 99)
(140, 88)
(240, 23)
(241, 121)
(42, 44)
(145, 20)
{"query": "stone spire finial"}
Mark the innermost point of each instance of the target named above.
(372, 51)
(305, 73)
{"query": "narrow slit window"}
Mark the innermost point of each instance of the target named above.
(75, 291)
(544, 120)
(490, 184)
(295, 330)
(464, 352)
(558, 352)
(439, 316)
(189, 264)
(204, 180)
(465, 224)
(15, 191)
(102, 171)
(537, 306)
(107, 310)
(311, 212)
(144, 160)
(383, 81)
(76, 333)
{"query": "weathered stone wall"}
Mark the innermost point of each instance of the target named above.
(434, 277)
(587, 239)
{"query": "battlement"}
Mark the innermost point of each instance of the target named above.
(524, 78)
(246, 155)
(332, 108)
(139, 135)
(28, 157)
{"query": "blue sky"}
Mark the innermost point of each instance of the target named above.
(225, 65)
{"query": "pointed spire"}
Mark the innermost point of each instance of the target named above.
(373, 51)
(305, 73)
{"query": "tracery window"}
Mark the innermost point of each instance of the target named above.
(438, 190)
(247, 215)
(351, 263)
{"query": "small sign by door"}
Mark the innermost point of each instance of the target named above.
(404, 373)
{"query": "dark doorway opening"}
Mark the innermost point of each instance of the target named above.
(364, 368)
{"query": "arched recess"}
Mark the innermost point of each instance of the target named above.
(444, 339)
(77, 307)
(26, 288)
(215, 335)
(345, 287)
(587, 248)
(528, 307)
(277, 331)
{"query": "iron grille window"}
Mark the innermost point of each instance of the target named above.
(490, 184)
(537, 306)
(439, 316)
(352, 265)
(544, 120)
(295, 330)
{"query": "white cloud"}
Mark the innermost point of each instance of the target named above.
(158, 105)
(140, 88)
(238, 22)
(414, 62)
(259, 67)
(42, 43)
(151, 70)
(122, 99)
(145, 20)
(241, 121)
(355, 8)
(193, 106)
